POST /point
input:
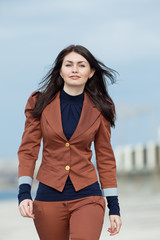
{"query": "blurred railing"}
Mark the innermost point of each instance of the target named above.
(141, 158)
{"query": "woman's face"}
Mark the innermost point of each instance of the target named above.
(75, 70)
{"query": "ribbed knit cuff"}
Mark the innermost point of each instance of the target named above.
(113, 205)
(24, 192)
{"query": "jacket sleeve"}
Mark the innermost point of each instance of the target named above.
(30, 143)
(105, 159)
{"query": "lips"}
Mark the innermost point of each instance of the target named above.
(74, 77)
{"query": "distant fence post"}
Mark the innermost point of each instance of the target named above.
(140, 157)
(159, 154)
(152, 155)
(128, 158)
(124, 157)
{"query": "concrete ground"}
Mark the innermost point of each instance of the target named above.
(139, 199)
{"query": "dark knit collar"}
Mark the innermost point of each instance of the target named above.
(71, 99)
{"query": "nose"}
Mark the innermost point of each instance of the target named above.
(74, 69)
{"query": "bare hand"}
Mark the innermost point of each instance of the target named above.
(116, 224)
(26, 208)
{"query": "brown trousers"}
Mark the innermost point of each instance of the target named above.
(78, 219)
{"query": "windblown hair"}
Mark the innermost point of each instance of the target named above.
(95, 87)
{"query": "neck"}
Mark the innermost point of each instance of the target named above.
(73, 91)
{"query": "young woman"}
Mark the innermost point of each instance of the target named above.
(72, 110)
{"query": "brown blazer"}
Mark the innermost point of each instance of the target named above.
(61, 157)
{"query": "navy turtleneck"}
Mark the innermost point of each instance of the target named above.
(71, 107)
(64, 96)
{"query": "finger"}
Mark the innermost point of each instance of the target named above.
(28, 214)
(111, 230)
(22, 208)
(112, 225)
(22, 212)
(112, 233)
(30, 204)
(31, 208)
(26, 210)
(117, 228)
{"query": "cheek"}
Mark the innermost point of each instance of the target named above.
(64, 72)
(86, 74)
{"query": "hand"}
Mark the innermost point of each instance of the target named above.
(116, 224)
(26, 208)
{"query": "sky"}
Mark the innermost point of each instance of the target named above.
(125, 35)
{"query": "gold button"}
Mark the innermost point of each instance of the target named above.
(67, 144)
(67, 167)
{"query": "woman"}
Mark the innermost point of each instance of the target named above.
(72, 110)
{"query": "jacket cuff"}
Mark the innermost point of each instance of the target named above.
(106, 192)
(25, 179)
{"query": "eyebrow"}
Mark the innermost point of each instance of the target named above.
(78, 62)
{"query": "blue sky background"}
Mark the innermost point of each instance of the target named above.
(125, 35)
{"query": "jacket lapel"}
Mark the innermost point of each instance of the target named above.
(88, 116)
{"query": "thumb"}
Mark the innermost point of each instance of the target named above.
(30, 204)
(112, 225)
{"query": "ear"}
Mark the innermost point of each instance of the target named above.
(92, 73)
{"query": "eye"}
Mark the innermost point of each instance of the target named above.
(68, 65)
(82, 65)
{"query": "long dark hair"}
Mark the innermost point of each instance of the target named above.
(95, 87)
